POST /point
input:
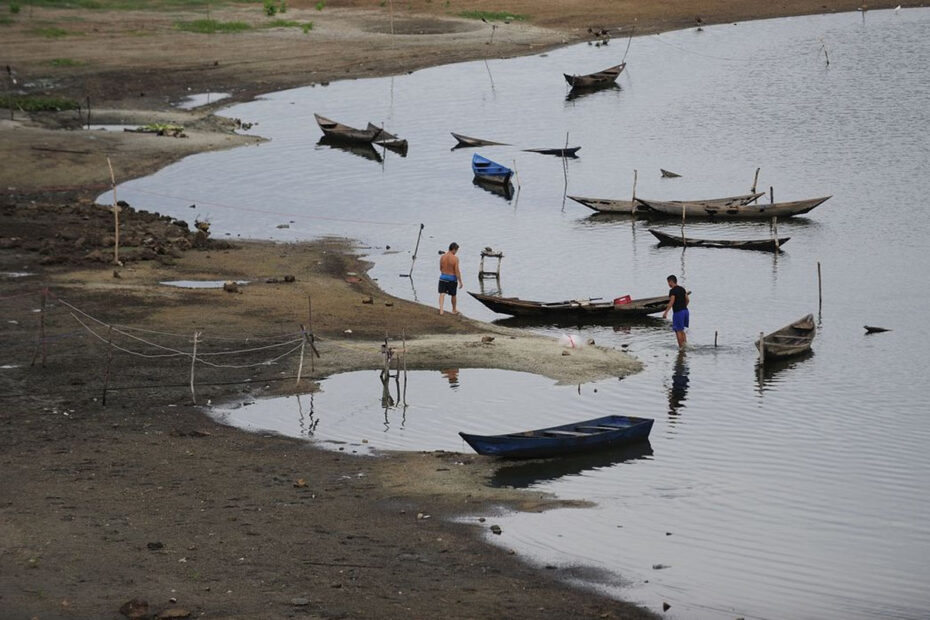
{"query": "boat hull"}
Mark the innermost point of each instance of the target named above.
(606, 205)
(763, 245)
(594, 80)
(705, 209)
(789, 341)
(572, 308)
(490, 171)
(578, 437)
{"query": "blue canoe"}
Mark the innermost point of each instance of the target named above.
(490, 171)
(608, 431)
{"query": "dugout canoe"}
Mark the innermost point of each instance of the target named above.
(466, 141)
(561, 152)
(389, 140)
(622, 307)
(337, 131)
(792, 339)
(594, 80)
(703, 209)
(595, 434)
(766, 245)
(606, 205)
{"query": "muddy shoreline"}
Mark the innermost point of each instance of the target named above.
(145, 496)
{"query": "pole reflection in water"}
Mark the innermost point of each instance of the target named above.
(678, 391)
(393, 401)
(773, 372)
(306, 420)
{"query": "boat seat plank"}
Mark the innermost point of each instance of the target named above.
(601, 428)
(568, 433)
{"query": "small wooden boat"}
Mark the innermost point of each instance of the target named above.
(338, 131)
(668, 174)
(490, 171)
(605, 205)
(790, 340)
(604, 432)
(593, 80)
(767, 245)
(389, 140)
(466, 141)
(620, 308)
(871, 329)
(736, 211)
(566, 152)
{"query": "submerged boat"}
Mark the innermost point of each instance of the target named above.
(561, 152)
(465, 141)
(593, 80)
(792, 339)
(606, 205)
(490, 171)
(389, 140)
(337, 131)
(704, 209)
(767, 245)
(617, 308)
(595, 434)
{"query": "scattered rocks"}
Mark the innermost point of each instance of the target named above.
(496, 529)
(172, 613)
(487, 339)
(300, 601)
(155, 546)
(231, 287)
(368, 300)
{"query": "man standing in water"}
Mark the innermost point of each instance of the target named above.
(678, 303)
(449, 276)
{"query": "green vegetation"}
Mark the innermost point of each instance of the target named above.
(52, 32)
(493, 16)
(307, 27)
(320, 5)
(43, 104)
(5, 20)
(65, 62)
(273, 7)
(289, 23)
(212, 26)
(14, 8)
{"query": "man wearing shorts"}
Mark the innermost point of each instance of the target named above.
(449, 276)
(678, 303)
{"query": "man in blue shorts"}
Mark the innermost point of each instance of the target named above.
(449, 276)
(678, 303)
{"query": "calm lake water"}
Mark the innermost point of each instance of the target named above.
(799, 493)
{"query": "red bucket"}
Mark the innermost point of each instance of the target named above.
(619, 301)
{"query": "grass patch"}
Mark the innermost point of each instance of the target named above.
(289, 23)
(65, 62)
(44, 104)
(52, 32)
(134, 5)
(5, 20)
(493, 16)
(212, 26)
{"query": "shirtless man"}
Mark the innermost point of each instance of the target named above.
(449, 275)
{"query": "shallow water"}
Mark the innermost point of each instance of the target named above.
(200, 99)
(799, 492)
(200, 283)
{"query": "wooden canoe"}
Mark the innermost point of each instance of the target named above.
(598, 433)
(465, 141)
(593, 80)
(338, 131)
(792, 339)
(605, 205)
(561, 152)
(703, 209)
(767, 245)
(515, 306)
(389, 140)
(490, 171)
(668, 174)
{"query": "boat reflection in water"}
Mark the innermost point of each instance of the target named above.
(504, 190)
(579, 92)
(361, 149)
(678, 391)
(529, 473)
(452, 376)
(773, 372)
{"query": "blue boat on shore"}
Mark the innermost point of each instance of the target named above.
(490, 171)
(596, 434)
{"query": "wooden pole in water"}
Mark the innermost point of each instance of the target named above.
(516, 176)
(755, 180)
(403, 335)
(819, 288)
(771, 195)
(761, 348)
(115, 216)
(300, 366)
(193, 361)
(415, 250)
(775, 230)
(106, 375)
(715, 338)
(683, 226)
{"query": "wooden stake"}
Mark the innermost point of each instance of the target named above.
(761, 348)
(403, 335)
(715, 338)
(106, 376)
(682, 223)
(819, 288)
(194, 361)
(115, 216)
(300, 366)
(775, 231)
(755, 180)
(771, 194)
(415, 250)
(516, 176)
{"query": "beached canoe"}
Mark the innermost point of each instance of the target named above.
(792, 339)
(703, 209)
(606, 205)
(561, 152)
(594, 80)
(588, 435)
(338, 131)
(465, 141)
(622, 307)
(766, 245)
(490, 171)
